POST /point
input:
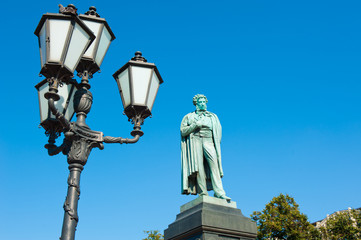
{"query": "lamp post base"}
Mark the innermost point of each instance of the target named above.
(208, 218)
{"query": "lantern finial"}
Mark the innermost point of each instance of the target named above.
(69, 10)
(138, 57)
(92, 12)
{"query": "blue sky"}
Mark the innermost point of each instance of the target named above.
(284, 78)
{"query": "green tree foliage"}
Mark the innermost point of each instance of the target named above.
(153, 235)
(343, 225)
(281, 219)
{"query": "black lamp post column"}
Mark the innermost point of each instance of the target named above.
(81, 141)
(71, 203)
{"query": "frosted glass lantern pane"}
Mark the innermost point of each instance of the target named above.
(123, 84)
(70, 108)
(141, 77)
(104, 43)
(63, 92)
(78, 43)
(42, 42)
(57, 37)
(95, 27)
(152, 91)
(44, 108)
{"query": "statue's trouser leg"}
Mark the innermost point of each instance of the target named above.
(211, 156)
(205, 149)
(201, 177)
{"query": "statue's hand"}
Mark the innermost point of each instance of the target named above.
(199, 123)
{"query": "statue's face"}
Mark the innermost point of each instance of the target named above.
(201, 104)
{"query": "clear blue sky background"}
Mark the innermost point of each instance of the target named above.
(284, 77)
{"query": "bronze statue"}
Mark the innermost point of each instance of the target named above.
(201, 134)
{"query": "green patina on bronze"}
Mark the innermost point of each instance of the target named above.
(201, 134)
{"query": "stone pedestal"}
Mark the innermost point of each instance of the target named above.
(209, 218)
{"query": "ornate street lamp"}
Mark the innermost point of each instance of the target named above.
(60, 96)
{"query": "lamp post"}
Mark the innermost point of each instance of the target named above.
(68, 42)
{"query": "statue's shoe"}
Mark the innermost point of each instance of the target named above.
(225, 197)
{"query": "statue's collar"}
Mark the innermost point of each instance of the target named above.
(200, 113)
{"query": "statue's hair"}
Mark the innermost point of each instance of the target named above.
(198, 96)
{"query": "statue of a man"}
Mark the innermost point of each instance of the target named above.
(201, 134)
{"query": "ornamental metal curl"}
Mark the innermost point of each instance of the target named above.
(70, 211)
(72, 182)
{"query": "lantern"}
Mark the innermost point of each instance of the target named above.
(138, 83)
(63, 39)
(93, 57)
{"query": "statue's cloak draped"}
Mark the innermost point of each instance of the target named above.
(189, 162)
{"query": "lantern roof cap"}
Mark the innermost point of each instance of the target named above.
(69, 10)
(92, 15)
(71, 81)
(138, 61)
(138, 57)
(92, 12)
(63, 16)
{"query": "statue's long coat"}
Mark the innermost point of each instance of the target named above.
(189, 162)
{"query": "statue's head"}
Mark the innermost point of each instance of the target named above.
(200, 101)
